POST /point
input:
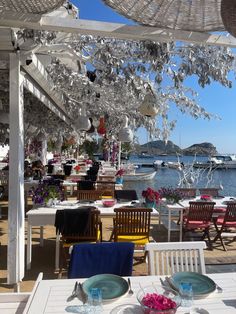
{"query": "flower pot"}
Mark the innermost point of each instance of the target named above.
(119, 180)
(150, 204)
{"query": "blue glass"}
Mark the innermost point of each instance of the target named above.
(186, 291)
(150, 204)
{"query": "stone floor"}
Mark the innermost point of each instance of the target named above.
(217, 260)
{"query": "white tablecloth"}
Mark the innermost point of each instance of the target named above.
(51, 295)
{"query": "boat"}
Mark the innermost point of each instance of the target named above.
(218, 162)
(139, 176)
(145, 155)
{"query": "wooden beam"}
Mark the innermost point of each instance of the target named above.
(114, 30)
(36, 71)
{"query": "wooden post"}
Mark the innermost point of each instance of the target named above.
(119, 155)
(16, 214)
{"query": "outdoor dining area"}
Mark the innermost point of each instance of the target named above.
(74, 238)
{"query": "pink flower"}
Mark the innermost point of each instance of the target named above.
(158, 302)
(120, 172)
(151, 195)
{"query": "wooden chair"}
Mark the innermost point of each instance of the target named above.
(126, 195)
(166, 258)
(188, 192)
(199, 217)
(93, 195)
(91, 230)
(132, 225)
(214, 192)
(101, 258)
(224, 224)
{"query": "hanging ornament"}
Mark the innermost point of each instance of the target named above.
(92, 128)
(148, 107)
(126, 134)
(82, 123)
(58, 144)
(101, 128)
(96, 122)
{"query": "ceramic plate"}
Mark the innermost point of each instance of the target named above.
(202, 285)
(112, 286)
(127, 309)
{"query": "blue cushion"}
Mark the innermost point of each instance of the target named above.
(89, 259)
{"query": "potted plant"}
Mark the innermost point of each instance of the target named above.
(77, 169)
(171, 195)
(46, 194)
(119, 176)
(151, 197)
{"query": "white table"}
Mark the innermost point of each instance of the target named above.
(179, 207)
(51, 295)
(46, 216)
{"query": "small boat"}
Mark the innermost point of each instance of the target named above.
(218, 162)
(139, 176)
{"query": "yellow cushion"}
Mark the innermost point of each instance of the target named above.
(142, 240)
(106, 197)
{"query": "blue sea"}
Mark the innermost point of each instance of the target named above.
(224, 178)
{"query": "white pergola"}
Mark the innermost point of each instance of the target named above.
(27, 71)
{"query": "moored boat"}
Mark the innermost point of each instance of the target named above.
(140, 176)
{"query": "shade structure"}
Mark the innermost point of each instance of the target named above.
(30, 6)
(190, 15)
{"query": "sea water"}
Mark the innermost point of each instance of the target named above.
(171, 177)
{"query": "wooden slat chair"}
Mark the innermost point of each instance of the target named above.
(94, 195)
(199, 217)
(132, 225)
(214, 192)
(188, 192)
(225, 224)
(92, 232)
(166, 258)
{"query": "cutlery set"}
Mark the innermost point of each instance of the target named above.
(78, 292)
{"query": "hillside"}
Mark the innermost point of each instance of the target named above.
(159, 147)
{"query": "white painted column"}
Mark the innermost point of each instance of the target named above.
(119, 155)
(16, 213)
(44, 152)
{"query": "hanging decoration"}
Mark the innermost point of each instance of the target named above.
(148, 107)
(92, 128)
(82, 123)
(102, 127)
(126, 134)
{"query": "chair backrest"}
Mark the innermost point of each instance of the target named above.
(77, 225)
(209, 191)
(169, 257)
(85, 185)
(200, 211)
(99, 258)
(188, 192)
(93, 195)
(132, 221)
(230, 214)
(126, 195)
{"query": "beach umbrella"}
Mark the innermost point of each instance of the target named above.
(30, 6)
(197, 15)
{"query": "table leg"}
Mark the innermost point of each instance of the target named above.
(29, 246)
(169, 224)
(57, 251)
(41, 235)
(181, 225)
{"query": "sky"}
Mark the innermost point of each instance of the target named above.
(214, 98)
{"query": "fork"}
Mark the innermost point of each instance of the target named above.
(74, 293)
(130, 289)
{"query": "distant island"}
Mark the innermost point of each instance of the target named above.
(160, 147)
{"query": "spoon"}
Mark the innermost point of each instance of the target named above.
(130, 289)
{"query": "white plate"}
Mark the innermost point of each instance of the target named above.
(127, 309)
